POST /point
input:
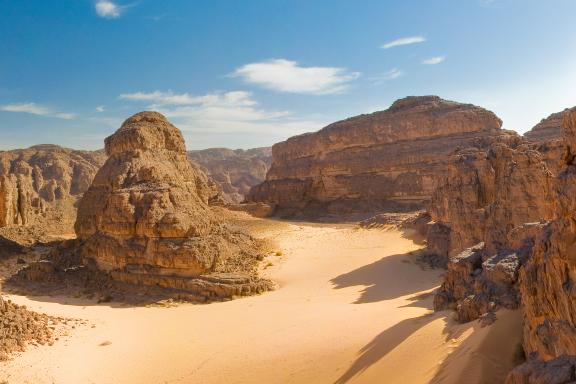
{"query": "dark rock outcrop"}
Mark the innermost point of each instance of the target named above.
(388, 159)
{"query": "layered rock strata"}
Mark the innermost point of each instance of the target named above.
(388, 159)
(547, 138)
(235, 171)
(42, 184)
(146, 218)
(547, 129)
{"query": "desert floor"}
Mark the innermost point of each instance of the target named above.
(353, 305)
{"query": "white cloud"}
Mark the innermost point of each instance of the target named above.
(287, 76)
(100, 108)
(222, 112)
(107, 9)
(404, 41)
(434, 60)
(35, 109)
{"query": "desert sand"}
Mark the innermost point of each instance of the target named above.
(353, 305)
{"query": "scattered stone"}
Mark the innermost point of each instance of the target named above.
(20, 327)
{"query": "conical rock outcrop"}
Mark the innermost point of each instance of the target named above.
(146, 219)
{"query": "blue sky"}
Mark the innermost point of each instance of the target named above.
(248, 73)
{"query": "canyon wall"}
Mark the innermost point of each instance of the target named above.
(42, 184)
(235, 171)
(389, 159)
(486, 214)
(548, 284)
(489, 190)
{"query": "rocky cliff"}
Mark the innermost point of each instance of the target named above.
(235, 171)
(547, 284)
(146, 219)
(480, 211)
(488, 190)
(547, 138)
(42, 184)
(387, 159)
(547, 129)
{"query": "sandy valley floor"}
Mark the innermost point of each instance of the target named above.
(353, 306)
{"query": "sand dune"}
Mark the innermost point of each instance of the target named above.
(353, 306)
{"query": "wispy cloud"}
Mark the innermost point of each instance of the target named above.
(108, 9)
(288, 76)
(222, 112)
(392, 74)
(35, 109)
(404, 41)
(434, 60)
(234, 98)
(100, 108)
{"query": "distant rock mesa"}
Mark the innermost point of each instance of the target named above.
(388, 160)
(235, 171)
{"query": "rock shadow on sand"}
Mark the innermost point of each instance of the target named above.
(388, 278)
(383, 344)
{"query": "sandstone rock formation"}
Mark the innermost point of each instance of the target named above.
(487, 192)
(546, 137)
(486, 215)
(548, 284)
(547, 129)
(236, 171)
(386, 159)
(146, 220)
(42, 184)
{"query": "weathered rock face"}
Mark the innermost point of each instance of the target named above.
(146, 219)
(547, 284)
(547, 138)
(547, 129)
(41, 185)
(548, 281)
(488, 191)
(480, 213)
(390, 158)
(236, 171)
